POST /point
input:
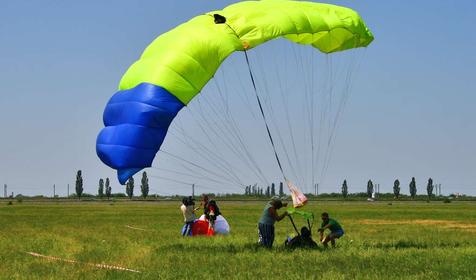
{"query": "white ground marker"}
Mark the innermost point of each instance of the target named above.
(98, 265)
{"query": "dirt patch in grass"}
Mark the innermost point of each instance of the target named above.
(448, 224)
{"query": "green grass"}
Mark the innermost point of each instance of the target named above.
(399, 241)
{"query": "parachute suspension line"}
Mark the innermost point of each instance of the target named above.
(298, 65)
(307, 73)
(284, 102)
(274, 122)
(194, 164)
(263, 115)
(208, 153)
(234, 129)
(192, 143)
(190, 175)
(185, 183)
(223, 131)
(325, 119)
(353, 67)
(312, 126)
(242, 94)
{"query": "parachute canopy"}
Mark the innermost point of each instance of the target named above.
(179, 63)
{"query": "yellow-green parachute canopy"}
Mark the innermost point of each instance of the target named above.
(181, 61)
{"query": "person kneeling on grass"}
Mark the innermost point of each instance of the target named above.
(268, 218)
(210, 210)
(304, 240)
(333, 226)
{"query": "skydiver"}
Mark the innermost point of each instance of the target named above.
(268, 218)
(335, 228)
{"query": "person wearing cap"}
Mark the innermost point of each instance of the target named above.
(269, 217)
(333, 226)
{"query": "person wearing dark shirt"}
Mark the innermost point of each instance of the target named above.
(268, 218)
(304, 240)
(210, 209)
(333, 226)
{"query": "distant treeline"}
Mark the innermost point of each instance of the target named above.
(361, 196)
(255, 192)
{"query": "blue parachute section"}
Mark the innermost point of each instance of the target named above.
(136, 122)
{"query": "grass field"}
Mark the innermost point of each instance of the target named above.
(382, 241)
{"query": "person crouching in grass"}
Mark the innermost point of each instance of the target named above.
(268, 218)
(333, 226)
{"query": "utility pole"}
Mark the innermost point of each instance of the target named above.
(5, 190)
(68, 190)
(54, 190)
(193, 190)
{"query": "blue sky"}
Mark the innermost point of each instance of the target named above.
(411, 112)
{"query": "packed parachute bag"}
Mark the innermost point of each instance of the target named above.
(201, 226)
(198, 227)
(221, 225)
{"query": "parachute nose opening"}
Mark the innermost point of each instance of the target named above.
(219, 19)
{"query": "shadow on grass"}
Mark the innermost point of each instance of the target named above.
(408, 244)
(280, 248)
(234, 248)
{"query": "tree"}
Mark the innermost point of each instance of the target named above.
(101, 188)
(268, 191)
(345, 190)
(130, 187)
(281, 191)
(429, 188)
(273, 190)
(108, 189)
(396, 188)
(144, 186)
(79, 184)
(413, 189)
(370, 188)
